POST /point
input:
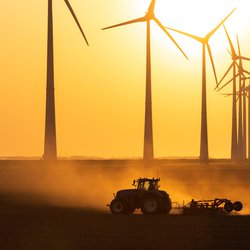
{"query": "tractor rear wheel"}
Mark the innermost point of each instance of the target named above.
(238, 206)
(118, 206)
(166, 205)
(150, 205)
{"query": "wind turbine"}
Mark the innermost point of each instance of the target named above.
(204, 41)
(148, 152)
(248, 89)
(50, 149)
(233, 65)
(242, 149)
(244, 92)
(241, 145)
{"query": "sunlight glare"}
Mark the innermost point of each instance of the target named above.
(200, 17)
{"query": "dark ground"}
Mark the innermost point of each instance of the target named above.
(67, 228)
(24, 226)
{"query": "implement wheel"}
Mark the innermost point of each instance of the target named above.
(238, 206)
(229, 207)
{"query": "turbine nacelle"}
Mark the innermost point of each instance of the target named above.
(149, 16)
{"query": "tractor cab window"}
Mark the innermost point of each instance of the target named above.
(147, 184)
(153, 185)
(141, 185)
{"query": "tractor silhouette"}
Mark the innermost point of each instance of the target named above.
(145, 196)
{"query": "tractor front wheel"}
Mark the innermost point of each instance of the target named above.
(118, 206)
(166, 205)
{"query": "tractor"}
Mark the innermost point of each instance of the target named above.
(145, 196)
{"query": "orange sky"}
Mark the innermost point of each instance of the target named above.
(100, 89)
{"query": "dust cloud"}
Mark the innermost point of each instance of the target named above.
(92, 186)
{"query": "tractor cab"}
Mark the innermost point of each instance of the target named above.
(147, 184)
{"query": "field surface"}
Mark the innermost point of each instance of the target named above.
(66, 228)
(63, 206)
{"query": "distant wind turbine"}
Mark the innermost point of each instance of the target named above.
(242, 77)
(204, 41)
(248, 95)
(50, 149)
(244, 92)
(240, 146)
(148, 153)
(233, 65)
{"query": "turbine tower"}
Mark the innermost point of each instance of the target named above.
(50, 149)
(148, 152)
(204, 41)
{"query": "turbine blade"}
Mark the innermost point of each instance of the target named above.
(76, 20)
(137, 20)
(238, 66)
(245, 71)
(230, 43)
(238, 43)
(218, 26)
(199, 39)
(212, 62)
(229, 52)
(228, 82)
(151, 7)
(166, 32)
(239, 57)
(245, 58)
(228, 70)
(226, 94)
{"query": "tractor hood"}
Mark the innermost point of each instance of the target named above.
(164, 193)
(133, 192)
(126, 192)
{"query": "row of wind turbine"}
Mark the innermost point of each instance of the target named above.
(50, 150)
(148, 130)
(238, 137)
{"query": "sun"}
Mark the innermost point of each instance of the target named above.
(193, 15)
(200, 17)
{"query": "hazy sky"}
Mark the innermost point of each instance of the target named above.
(100, 89)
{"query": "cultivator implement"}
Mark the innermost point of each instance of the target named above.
(216, 206)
